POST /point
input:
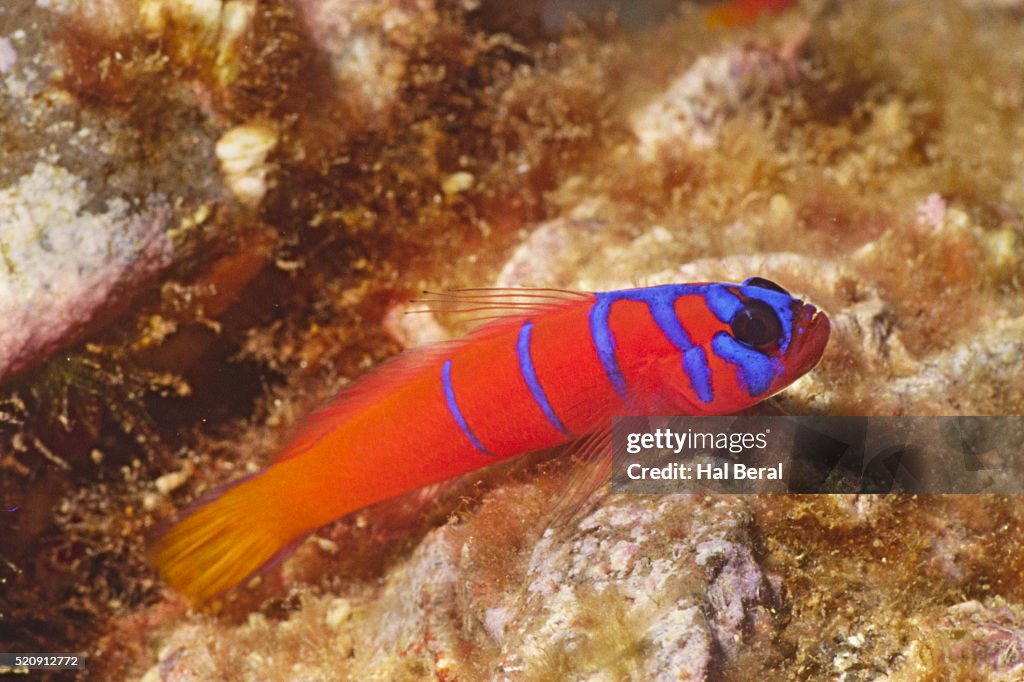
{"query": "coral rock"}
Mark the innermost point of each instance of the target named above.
(64, 268)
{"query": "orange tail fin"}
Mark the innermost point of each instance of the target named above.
(221, 542)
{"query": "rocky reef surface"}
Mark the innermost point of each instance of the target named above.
(213, 216)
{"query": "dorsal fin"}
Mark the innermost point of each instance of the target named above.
(496, 303)
(508, 313)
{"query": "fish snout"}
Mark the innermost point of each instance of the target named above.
(810, 338)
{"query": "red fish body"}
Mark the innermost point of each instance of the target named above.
(743, 12)
(534, 380)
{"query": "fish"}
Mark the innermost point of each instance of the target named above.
(743, 12)
(553, 368)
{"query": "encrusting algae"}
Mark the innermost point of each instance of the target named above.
(864, 156)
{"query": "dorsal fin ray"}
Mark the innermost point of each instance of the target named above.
(500, 302)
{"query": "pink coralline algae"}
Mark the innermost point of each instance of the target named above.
(678, 572)
(990, 634)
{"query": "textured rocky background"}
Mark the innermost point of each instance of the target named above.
(213, 214)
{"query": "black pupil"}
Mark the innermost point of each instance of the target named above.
(756, 324)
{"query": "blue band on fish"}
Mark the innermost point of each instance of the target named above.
(453, 407)
(529, 373)
(662, 303)
(605, 342)
(722, 302)
(756, 370)
(695, 364)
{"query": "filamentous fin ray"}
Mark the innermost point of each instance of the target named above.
(507, 300)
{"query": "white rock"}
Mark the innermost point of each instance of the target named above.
(242, 153)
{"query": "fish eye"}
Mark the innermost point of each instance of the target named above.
(756, 324)
(764, 284)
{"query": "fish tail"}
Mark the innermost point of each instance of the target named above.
(222, 541)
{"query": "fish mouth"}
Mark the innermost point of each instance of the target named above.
(812, 338)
